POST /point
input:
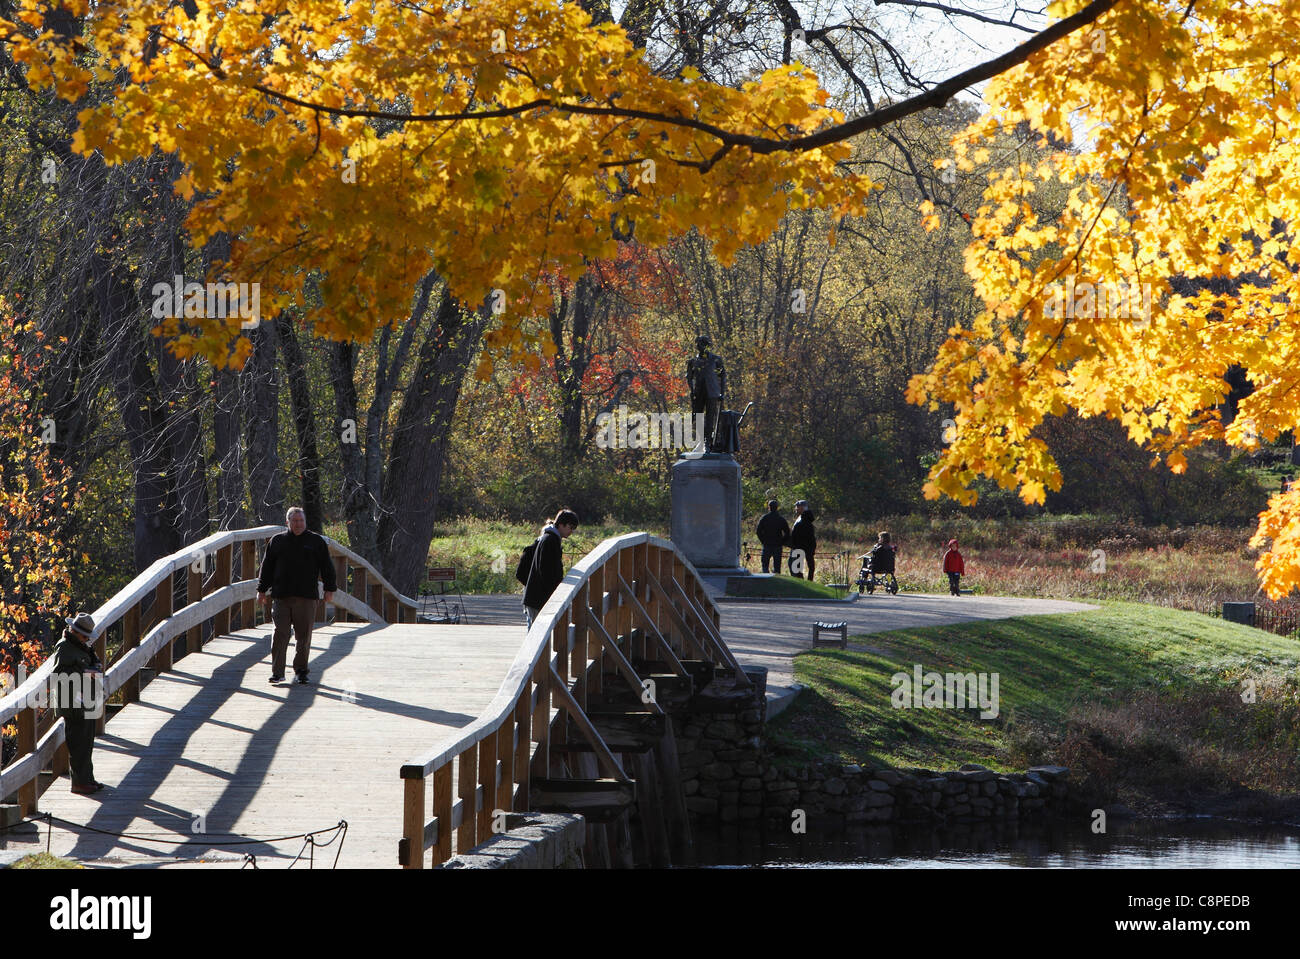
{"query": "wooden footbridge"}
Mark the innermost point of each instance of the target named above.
(419, 736)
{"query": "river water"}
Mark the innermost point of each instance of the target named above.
(1138, 844)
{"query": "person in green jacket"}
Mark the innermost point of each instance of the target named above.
(78, 685)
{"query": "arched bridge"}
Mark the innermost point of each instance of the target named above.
(417, 735)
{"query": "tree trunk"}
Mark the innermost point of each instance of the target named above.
(304, 422)
(136, 389)
(419, 449)
(261, 380)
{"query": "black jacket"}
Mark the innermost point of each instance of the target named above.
(75, 658)
(292, 564)
(882, 558)
(773, 530)
(803, 535)
(547, 571)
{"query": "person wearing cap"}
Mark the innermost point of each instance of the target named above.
(74, 656)
(773, 532)
(293, 563)
(803, 537)
(954, 566)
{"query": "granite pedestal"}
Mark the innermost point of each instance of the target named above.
(707, 510)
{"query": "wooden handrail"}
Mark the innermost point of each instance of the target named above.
(213, 600)
(590, 611)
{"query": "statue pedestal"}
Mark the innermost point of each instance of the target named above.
(707, 510)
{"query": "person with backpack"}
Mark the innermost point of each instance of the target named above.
(541, 568)
(954, 566)
(773, 532)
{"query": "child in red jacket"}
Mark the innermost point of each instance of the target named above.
(954, 566)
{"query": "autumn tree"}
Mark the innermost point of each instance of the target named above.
(530, 140)
(36, 494)
(1189, 170)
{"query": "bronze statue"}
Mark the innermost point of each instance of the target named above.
(707, 378)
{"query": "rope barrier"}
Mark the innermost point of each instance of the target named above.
(309, 838)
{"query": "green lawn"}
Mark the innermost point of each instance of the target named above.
(1131, 697)
(781, 587)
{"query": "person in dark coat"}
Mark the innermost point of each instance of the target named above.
(547, 571)
(883, 554)
(293, 563)
(79, 687)
(803, 536)
(773, 532)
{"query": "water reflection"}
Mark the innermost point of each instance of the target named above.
(1182, 844)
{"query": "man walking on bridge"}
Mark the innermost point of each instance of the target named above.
(293, 562)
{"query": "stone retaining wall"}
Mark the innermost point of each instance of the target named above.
(836, 795)
(728, 776)
(532, 840)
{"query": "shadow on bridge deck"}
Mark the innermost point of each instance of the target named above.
(213, 753)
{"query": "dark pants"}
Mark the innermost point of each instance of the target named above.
(770, 552)
(297, 612)
(809, 564)
(953, 580)
(80, 735)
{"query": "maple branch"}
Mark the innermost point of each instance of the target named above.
(954, 11)
(935, 97)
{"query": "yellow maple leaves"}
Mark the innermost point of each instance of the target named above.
(1167, 265)
(464, 138)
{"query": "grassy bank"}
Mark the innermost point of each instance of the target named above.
(43, 860)
(1145, 705)
(781, 587)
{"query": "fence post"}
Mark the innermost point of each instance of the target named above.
(248, 570)
(162, 604)
(27, 792)
(413, 817)
(220, 579)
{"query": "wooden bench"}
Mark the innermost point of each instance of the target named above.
(842, 628)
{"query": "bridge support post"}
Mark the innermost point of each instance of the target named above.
(221, 579)
(26, 745)
(442, 810)
(101, 650)
(130, 640)
(162, 606)
(193, 593)
(248, 570)
(413, 823)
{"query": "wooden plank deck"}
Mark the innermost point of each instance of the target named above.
(214, 738)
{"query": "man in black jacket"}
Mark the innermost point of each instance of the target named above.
(803, 536)
(547, 571)
(773, 532)
(293, 562)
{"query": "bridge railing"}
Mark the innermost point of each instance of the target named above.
(634, 582)
(144, 615)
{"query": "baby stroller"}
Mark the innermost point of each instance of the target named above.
(874, 572)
